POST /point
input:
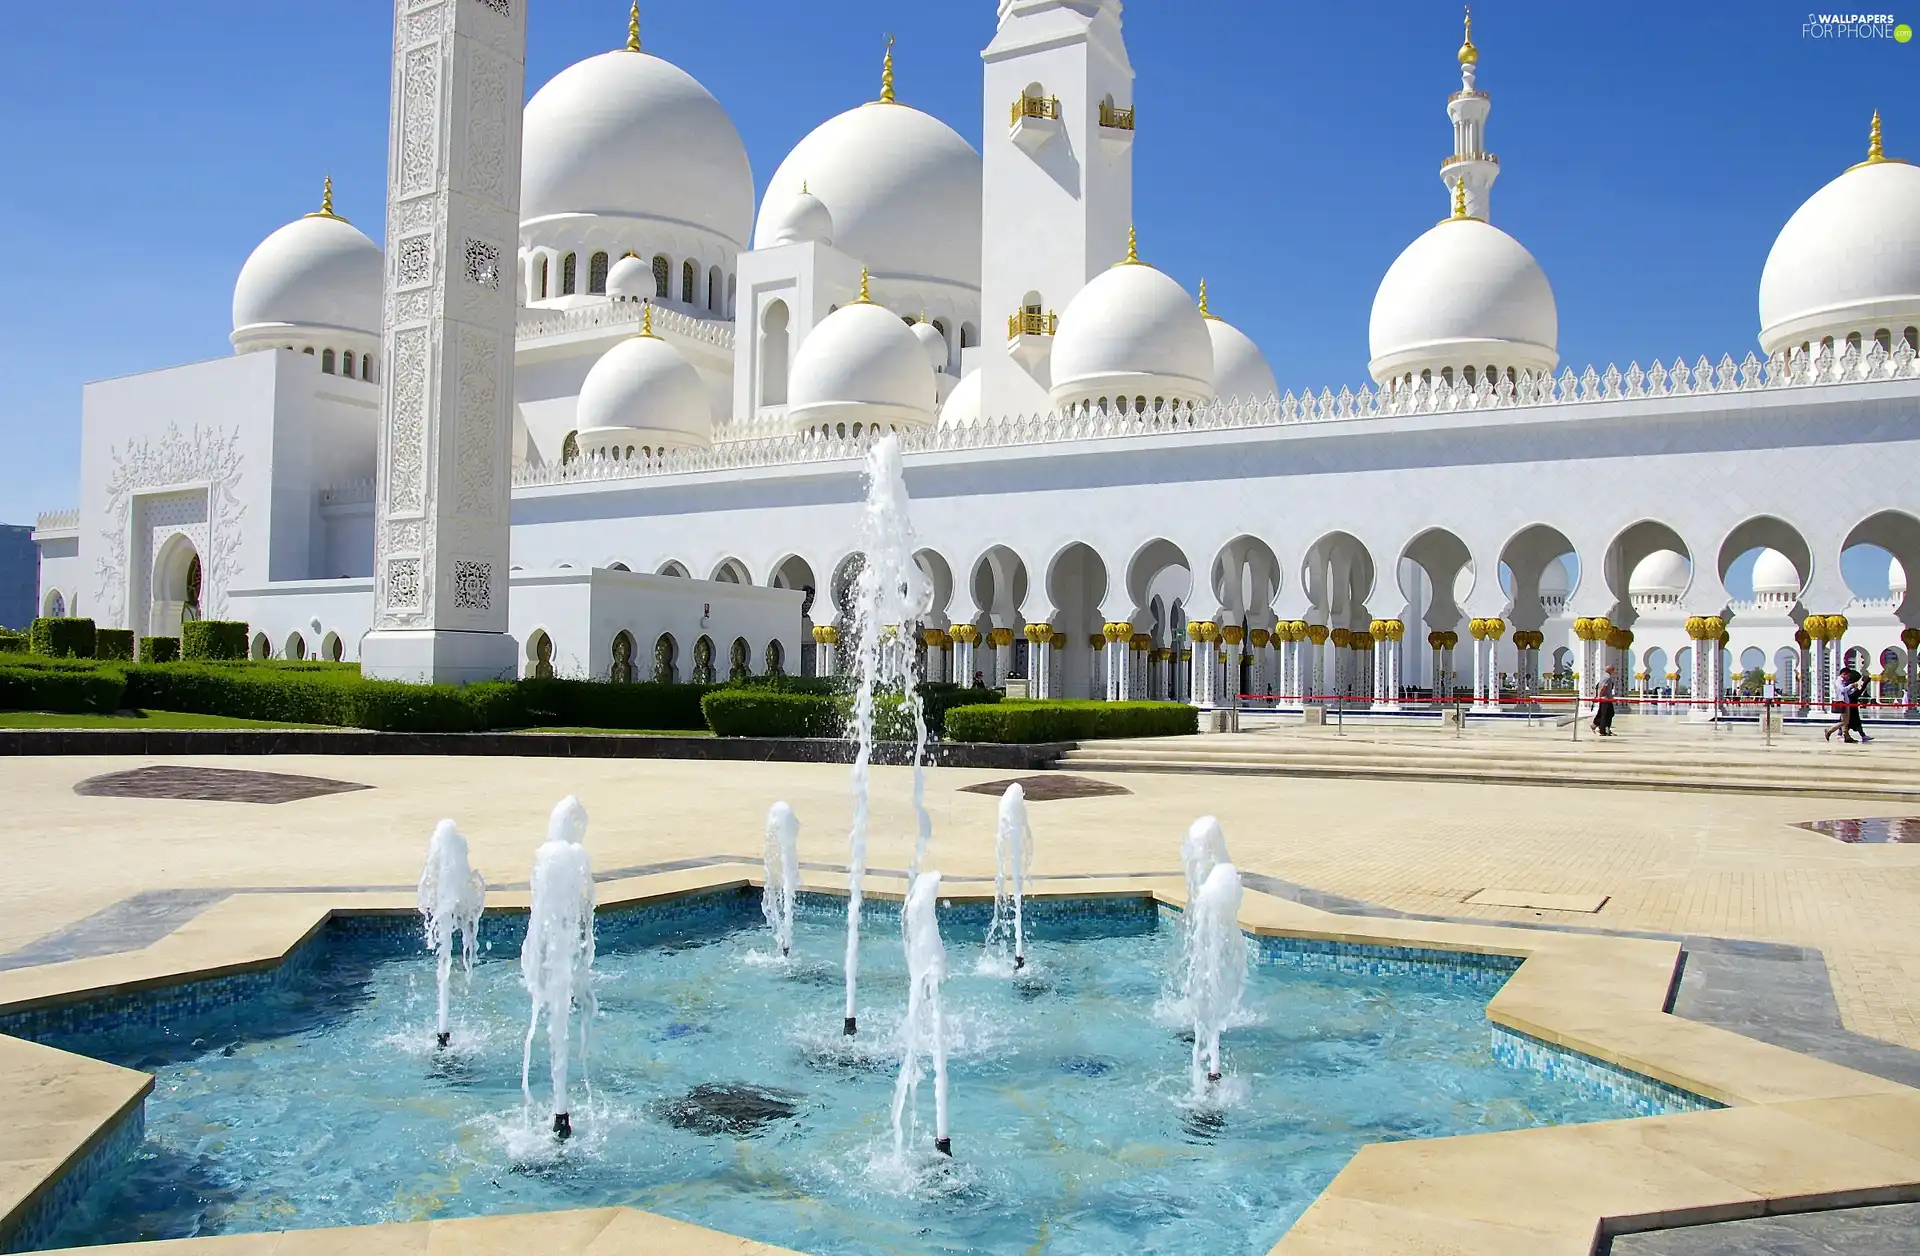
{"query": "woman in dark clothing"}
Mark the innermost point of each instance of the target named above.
(1603, 699)
(1856, 704)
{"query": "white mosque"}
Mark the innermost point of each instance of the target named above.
(1111, 497)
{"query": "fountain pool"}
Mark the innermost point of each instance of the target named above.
(723, 1091)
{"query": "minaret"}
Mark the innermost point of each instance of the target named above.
(1057, 171)
(453, 216)
(1470, 161)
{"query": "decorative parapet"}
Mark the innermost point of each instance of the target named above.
(1032, 323)
(58, 521)
(534, 324)
(763, 445)
(1035, 107)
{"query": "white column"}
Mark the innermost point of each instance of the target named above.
(825, 639)
(446, 412)
(963, 635)
(1002, 656)
(1699, 706)
(1913, 675)
(1392, 647)
(1230, 670)
(1316, 669)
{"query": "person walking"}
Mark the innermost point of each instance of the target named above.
(1604, 695)
(1857, 705)
(1845, 705)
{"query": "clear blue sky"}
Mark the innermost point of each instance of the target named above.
(1649, 153)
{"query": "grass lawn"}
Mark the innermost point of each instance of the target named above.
(136, 719)
(620, 732)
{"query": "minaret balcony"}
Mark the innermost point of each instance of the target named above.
(1034, 121)
(1030, 336)
(1447, 163)
(1116, 126)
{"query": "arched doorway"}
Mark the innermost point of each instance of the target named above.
(177, 586)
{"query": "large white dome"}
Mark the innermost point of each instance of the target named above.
(901, 189)
(317, 274)
(963, 405)
(864, 365)
(1240, 370)
(1132, 332)
(803, 219)
(1848, 261)
(1663, 573)
(1774, 575)
(1465, 294)
(643, 393)
(631, 279)
(628, 134)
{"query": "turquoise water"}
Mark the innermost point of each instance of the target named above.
(723, 1093)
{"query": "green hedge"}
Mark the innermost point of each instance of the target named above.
(202, 639)
(113, 645)
(1053, 720)
(61, 689)
(318, 697)
(61, 638)
(600, 704)
(13, 643)
(765, 712)
(159, 649)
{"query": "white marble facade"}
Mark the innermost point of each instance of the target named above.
(1114, 466)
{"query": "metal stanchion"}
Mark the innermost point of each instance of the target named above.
(1340, 713)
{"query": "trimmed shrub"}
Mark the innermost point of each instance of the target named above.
(13, 643)
(339, 697)
(159, 649)
(940, 699)
(61, 638)
(1057, 720)
(114, 645)
(601, 704)
(61, 689)
(763, 712)
(213, 639)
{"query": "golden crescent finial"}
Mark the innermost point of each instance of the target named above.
(865, 299)
(633, 28)
(326, 200)
(1874, 150)
(1460, 199)
(1133, 247)
(646, 320)
(886, 73)
(1468, 53)
(1204, 311)
(803, 188)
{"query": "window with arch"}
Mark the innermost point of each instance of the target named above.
(597, 275)
(296, 647)
(665, 660)
(570, 447)
(540, 278)
(346, 364)
(569, 273)
(662, 278)
(713, 290)
(620, 667)
(773, 354)
(366, 367)
(776, 659)
(703, 661)
(1913, 339)
(686, 282)
(740, 660)
(1884, 338)
(308, 351)
(260, 648)
(969, 337)
(326, 362)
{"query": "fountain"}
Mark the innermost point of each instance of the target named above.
(1203, 847)
(452, 896)
(781, 861)
(1012, 869)
(889, 594)
(1216, 971)
(924, 1033)
(556, 963)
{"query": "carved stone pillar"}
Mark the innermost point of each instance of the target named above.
(453, 224)
(1001, 639)
(1203, 633)
(965, 637)
(1040, 660)
(826, 642)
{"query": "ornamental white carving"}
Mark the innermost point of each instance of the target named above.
(503, 7)
(205, 456)
(415, 266)
(489, 98)
(472, 585)
(420, 121)
(483, 263)
(476, 423)
(403, 584)
(407, 424)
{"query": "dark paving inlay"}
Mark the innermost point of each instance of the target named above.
(1870, 831)
(1050, 786)
(1882, 1230)
(165, 780)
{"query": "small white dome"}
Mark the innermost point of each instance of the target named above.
(1554, 581)
(1464, 294)
(1774, 575)
(1661, 573)
(630, 135)
(933, 343)
(1896, 578)
(963, 404)
(644, 388)
(861, 365)
(1132, 332)
(317, 273)
(1847, 261)
(1240, 370)
(902, 190)
(803, 219)
(631, 279)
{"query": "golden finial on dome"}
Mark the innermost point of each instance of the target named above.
(1204, 311)
(1460, 200)
(646, 320)
(803, 188)
(886, 73)
(326, 201)
(1876, 155)
(1133, 248)
(865, 299)
(1469, 55)
(633, 28)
